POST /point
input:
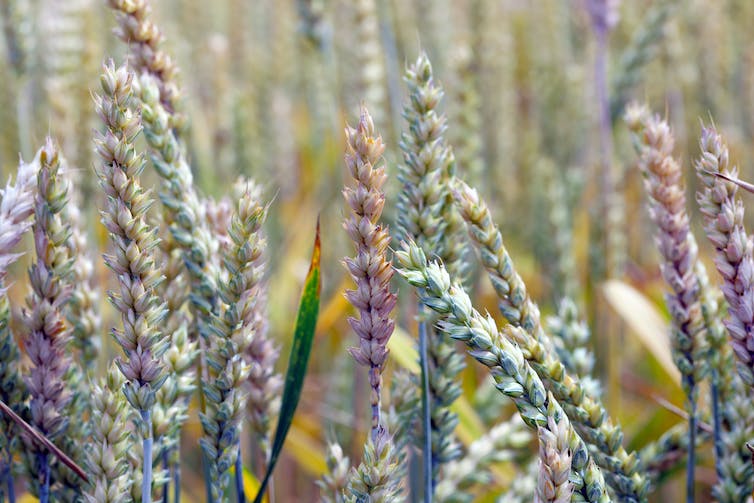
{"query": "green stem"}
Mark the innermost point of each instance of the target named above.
(240, 493)
(146, 481)
(207, 478)
(717, 423)
(10, 485)
(8, 480)
(176, 483)
(166, 465)
(691, 462)
(44, 491)
(426, 419)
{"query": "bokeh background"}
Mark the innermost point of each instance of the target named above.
(268, 88)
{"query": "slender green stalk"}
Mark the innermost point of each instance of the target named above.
(146, 481)
(720, 355)
(717, 424)
(166, 465)
(429, 482)
(691, 459)
(44, 465)
(8, 476)
(238, 479)
(177, 483)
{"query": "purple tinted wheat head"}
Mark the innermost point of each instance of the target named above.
(724, 225)
(47, 331)
(370, 267)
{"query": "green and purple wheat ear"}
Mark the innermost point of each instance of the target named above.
(106, 451)
(370, 268)
(376, 478)
(723, 214)
(333, 485)
(426, 213)
(663, 180)
(16, 210)
(47, 332)
(233, 333)
(184, 214)
(134, 242)
(245, 263)
(143, 37)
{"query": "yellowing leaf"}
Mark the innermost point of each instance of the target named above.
(645, 322)
(470, 426)
(251, 484)
(403, 350)
(306, 451)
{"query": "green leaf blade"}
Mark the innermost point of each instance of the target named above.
(303, 338)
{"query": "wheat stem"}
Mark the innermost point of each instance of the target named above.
(427, 471)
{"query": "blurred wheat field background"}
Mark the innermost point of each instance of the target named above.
(535, 96)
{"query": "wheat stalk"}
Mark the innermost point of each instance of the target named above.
(47, 332)
(587, 413)
(513, 374)
(132, 260)
(426, 215)
(677, 247)
(370, 268)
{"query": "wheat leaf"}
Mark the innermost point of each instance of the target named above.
(303, 337)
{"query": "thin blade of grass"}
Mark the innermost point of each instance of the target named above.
(429, 485)
(44, 441)
(748, 187)
(303, 337)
